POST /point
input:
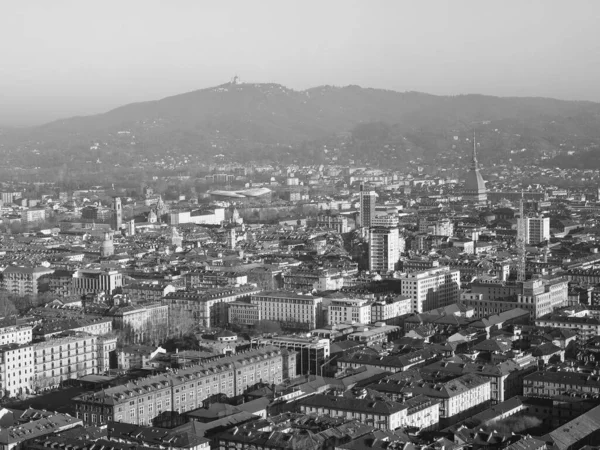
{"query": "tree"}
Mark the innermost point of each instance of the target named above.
(181, 322)
(7, 306)
(267, 326)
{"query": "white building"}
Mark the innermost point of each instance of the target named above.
(216, 217)
(388, 309)
(16, 369)
(537, 229)
(384, 220)
(291, 310)
(16, 334)
(384, 249)
(431, 289)
(349, 310)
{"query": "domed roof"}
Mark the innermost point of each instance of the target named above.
(474, 181)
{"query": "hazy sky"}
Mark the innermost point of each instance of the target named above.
(66, 57)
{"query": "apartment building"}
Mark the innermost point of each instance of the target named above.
(152, 292)
(207, 307)
(213, 278)
(585, 327)
(16, 369)
(338, 223)
(384, 251)
(63, 358)
(431, 289)
(537, 229)
(384, 220)
(389, 309)
(439, 227)
(16, 334)
(180, 390)
(540, 296)
(243, 313)
(392, 363)
(23, 280)
(305, 280)
(379, 414)
(141, 319)
(550, 384)
(420, 411)
(106, 345)
(92, 324)
(367, 200)
(349, 310)
(34, 215)
(291, 310)
(457, 396)
(375, 334)
(506, 377)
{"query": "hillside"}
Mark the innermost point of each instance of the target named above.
(268, 121)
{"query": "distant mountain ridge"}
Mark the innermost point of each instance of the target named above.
(242, 117)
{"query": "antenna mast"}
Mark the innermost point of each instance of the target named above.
(521, 236)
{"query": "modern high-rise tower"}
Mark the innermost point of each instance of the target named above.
(475, 190)
(117, 218)
(367, 206)
(384, 249)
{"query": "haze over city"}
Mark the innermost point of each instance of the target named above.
(65, 58)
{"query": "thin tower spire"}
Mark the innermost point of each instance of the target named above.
(474, 162)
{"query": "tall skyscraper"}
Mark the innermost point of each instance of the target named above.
(384, 249)
(117, 218)
(367, 206)
(475, 190)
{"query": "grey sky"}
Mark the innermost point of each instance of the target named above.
(66, 57)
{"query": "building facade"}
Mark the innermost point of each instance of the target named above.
(367, 206)
(180, 390)
(291, 310)
(384, 251)
(350, 310)
(431, 289)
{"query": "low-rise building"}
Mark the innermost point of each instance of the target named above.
(208, 308)
(243, 313)
(291, 310)
(389, 309)
(458, 396)
(150, 321)
(16, 334)
(181, 390)
(151, 292)
(349, 310)
(62, 358)
(23, 281)
(585, 327)
(549, 384)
